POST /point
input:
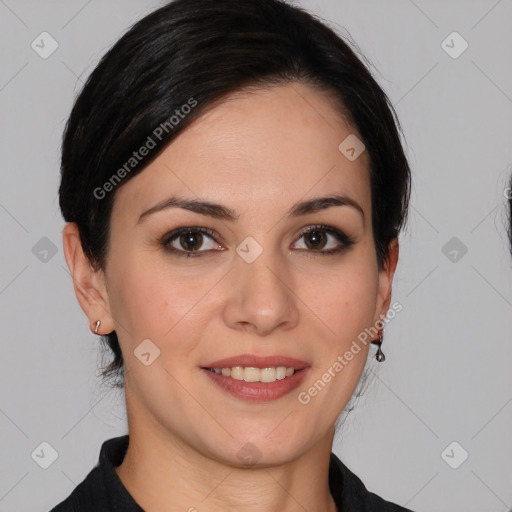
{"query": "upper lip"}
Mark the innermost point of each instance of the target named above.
(258, 362)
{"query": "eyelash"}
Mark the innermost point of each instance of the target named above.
(345, 240)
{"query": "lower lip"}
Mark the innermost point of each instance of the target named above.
(258, 391)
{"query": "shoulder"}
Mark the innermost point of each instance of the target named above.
(88, 495)
(101, 486)
(350, 493)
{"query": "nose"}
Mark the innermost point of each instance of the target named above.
(261, 297)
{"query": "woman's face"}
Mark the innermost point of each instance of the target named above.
(253, 286)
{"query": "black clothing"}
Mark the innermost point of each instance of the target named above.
(103, 491)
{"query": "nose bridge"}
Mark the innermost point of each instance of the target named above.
(259, 270)
(261, 289)
(264, 272)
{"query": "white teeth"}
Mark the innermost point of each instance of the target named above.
(251, 374)
(280, 372)
(268, 375)
(237, 373)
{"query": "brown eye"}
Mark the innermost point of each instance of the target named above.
(191, 241)
(324, 240)
(315, 239)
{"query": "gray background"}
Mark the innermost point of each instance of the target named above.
(447, 375)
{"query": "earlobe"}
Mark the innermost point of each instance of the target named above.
(386, 279)
(88, 283)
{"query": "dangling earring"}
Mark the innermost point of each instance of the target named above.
(379, 355)
(97, 326)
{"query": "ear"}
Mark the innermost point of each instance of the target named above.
(385, 281)
(89, 284)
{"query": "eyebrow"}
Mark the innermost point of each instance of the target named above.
(218, 211)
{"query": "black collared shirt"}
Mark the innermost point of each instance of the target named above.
(103, 491)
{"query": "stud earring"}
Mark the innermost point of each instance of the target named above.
(97, 327)
(379, 355)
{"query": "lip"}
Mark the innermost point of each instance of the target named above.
(258, 362)
(257, 392)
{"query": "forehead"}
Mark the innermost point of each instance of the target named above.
(266, 147)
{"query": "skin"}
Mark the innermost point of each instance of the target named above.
(258, 154)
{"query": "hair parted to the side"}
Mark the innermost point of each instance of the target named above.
(204, 50)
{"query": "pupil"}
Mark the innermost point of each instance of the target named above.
(191, 241)
(315, 238)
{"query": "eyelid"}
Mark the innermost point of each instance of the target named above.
(195, 229)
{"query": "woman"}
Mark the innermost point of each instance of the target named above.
(234, 184)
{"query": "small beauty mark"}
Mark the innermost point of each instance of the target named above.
(146, 352)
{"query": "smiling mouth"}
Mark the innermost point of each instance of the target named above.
(257, 385)
(257, 378)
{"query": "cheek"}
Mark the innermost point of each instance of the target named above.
(151, 298)
(138, 296)
(343, 300)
